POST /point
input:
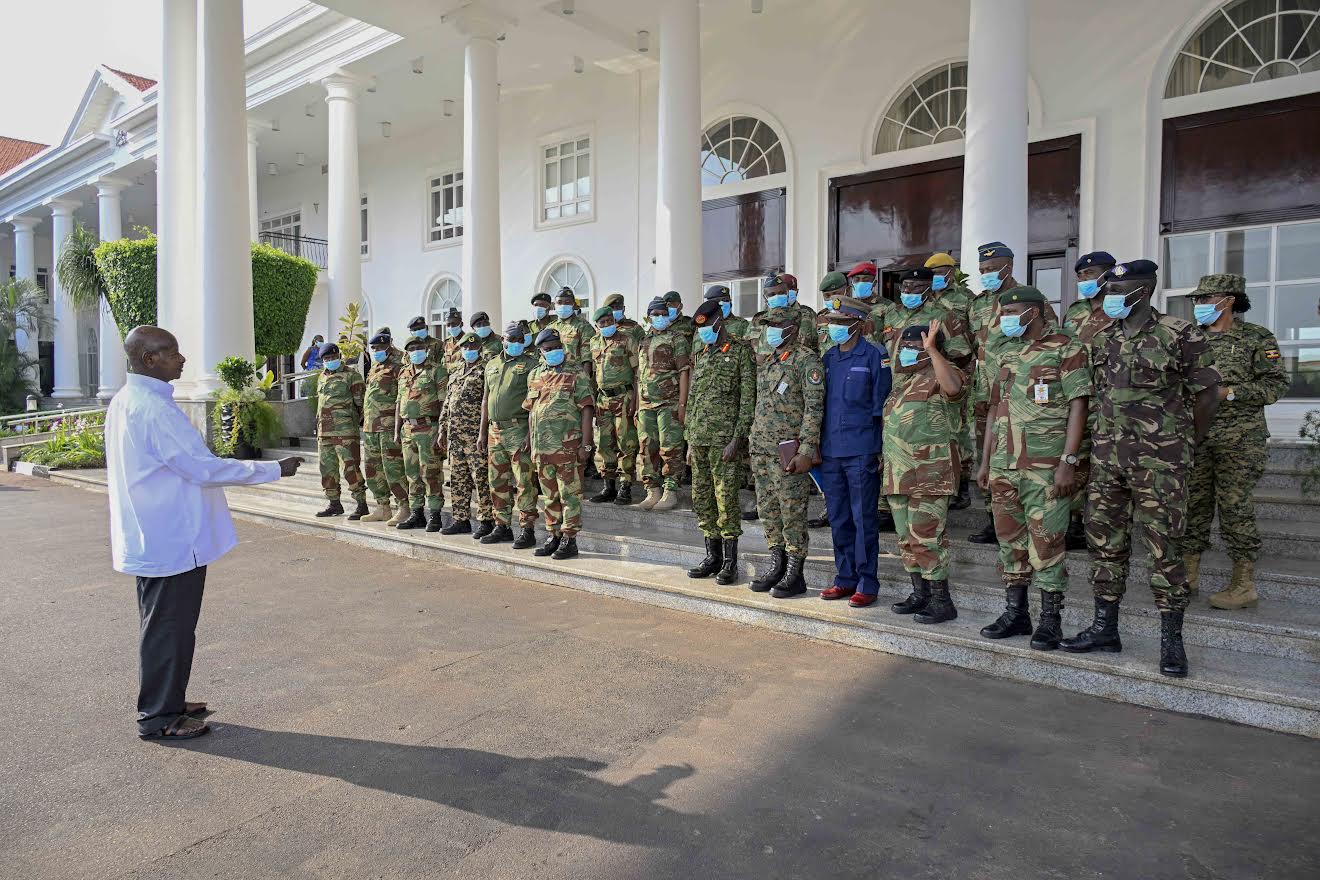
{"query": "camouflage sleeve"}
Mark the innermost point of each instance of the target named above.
(683, 352)
(533, 390)
(634, 348)
(441, 380)
(957, 338)
(1198, 361)
(582, 392)
(1269, 380)
(1075, 371)
(966, 385)
(813, 404)
(746, 391)
(807, 331)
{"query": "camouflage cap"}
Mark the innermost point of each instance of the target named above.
(940, 260)
(614, 299)
(602, 312)
(1024, 294)
(833, 281)
(1222, 283)
(778, 316)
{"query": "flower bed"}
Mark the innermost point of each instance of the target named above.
(78, 443)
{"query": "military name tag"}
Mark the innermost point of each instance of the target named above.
(1042, 392)
(783, 386)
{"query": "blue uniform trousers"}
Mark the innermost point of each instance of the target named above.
(852, 490)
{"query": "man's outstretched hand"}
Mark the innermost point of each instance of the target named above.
(289, 466)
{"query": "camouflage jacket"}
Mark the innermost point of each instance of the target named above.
(790, 401)
(736, 326)
(1248, 359)
(453, 356)
(683, 324)
(422, 390)
(1031, 397)
(880, 318)
(575, 334)
(460, 414)
(806, 325)
(556, 397)
(382, 392)
(339, 403)
(663, 356)
(1144, 386)
(506, 385)
(491, 346)
(722, 396)
(1085, 319)
(435, 349)
(920, 438)
(956, 299)
(957, 337)
(536, 325)
(634, 330)
(615, 362)
(983, 323)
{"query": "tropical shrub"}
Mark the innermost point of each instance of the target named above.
(80, 278)
(352, 339)
(22, 307)
(244, 420)
(128, 271)
(78, 443)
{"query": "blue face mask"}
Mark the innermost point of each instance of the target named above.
(774, 336)
(660, 322)
(862, 289)
(333, 365)
(792, 296)
(907, 357)
(1116, 305)
(470, 354)
(564, 311)
(609, 330)
(417, 355)
(1088, 289)
(379, 356)
(515, 349)
(1206, 313)
(839, 333)
(554, 357)
(541, 312)
(421, 333)
(708, 335)
(726, 309)
(454, 332)
(483, 332)
(673, 312)
(1012, 326)
(938, 283)
(618, 314)
(991, 281)
(778, 301)
(912, 300)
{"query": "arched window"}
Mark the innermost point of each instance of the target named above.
(446, 294)
(1248, 41)
(567, 272)
(738, 148)
(931, 110)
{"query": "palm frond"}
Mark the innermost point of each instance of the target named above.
(79, 278)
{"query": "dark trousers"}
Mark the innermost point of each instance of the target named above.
(169, 608)
(852, 489)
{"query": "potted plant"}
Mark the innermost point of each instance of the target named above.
(244, 419)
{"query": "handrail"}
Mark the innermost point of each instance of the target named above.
(48, 415)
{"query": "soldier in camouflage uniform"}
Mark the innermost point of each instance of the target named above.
(1038, 406)
(460, 429)
(790, 392)
(338, 429)
(627, 325)
(422, 386)
(575, 332)
(1231, 458)
(736, 326)
(786, 285)
(949, 291)
(453, 339)
(435, 347)
(614, 358)
(1156, 387)
(491, 342)
(678, 321)
(543, 313)
(921, 465)
(559, 400)
(383, 457)
(504, 437)
(662, 371)
(723, 400)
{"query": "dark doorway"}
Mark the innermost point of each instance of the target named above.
(743, 236)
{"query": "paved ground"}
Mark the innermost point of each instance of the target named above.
(388, 718)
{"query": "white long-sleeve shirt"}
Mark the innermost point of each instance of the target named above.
(167, 502)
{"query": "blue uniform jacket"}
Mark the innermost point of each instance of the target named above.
(856, 386)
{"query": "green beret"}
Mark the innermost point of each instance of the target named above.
(602, 312)
(469, 339)
(833, 281)
(614, 299)
(1024, 294)
(1223, 283)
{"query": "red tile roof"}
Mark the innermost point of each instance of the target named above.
(141, 83)
(14, 152)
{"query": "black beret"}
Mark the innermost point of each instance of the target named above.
(913, 334)
(329, 349)
(673, 296)
(1024, 294)
(918, 274)
(657, 303)
(515, 328)
(385, 331)
(715, 291)
(479, 316)
(1134, 269)
(994, 249)
(417, 323)
(541, 296)
(774, 279)
(381, 339)
(566, 291)
(708, 312)
(452, 314)
(1095, 258)
(549, 334)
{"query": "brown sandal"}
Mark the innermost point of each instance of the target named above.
(195, 709)
(183, 727)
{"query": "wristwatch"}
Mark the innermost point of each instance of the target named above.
(1231, 395)
(1071, 459)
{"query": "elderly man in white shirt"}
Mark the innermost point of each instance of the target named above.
(168, 522)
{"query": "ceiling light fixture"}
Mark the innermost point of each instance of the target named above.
(568, 7)
(417, 66)
(757, 6)
(448, 106)
(643, 41)
(577, 64)
(300, 158)
(384, 129)
(272, 169)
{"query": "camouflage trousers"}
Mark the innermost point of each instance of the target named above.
(965, 430)
(383, 466)
(920, 522)
(334, 453)
(561, 484)
(1224, 476)
(1155, 502)
(715, 492)
(1031, 525)
(468, 471)
(661, 438)
(782, 500)
(511, 472)
(980, 414)
(616, 437)
(423, 467)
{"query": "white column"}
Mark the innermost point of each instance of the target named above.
(254, 128)
(344, 194)
(678, 184)
(178, 274)
(67, 381)
(25, 266)
(224, 312)
(995, 169)
(110, 347)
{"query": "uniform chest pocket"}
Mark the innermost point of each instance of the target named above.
(857, 387)
(662, 359)
(1146, 370)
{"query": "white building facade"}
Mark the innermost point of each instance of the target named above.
(435, 155)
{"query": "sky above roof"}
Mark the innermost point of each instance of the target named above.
(57, 44)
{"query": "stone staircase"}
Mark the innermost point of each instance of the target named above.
(1260, 666)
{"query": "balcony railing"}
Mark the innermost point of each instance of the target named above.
(313, 249)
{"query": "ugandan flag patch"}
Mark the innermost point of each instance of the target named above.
(1272, 354)
(814, 376)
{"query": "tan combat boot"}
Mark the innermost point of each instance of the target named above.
(1192, 562)
(651, 500)
(399, 517)
(1241, 591)
(668, 500)
(382, 513)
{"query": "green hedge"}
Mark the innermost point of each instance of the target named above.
(282, 287)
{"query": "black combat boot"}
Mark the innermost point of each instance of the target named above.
(729, 567)
(1049, 631)
(435, 521)
(1101, 635)
(526, 538)
(360, 511)
(567, 548)
(624, 496)
(1075, 537)
(457, 527)
(501, 534)
(416, 521)
(1173, 658)
(987, 535)
(917, 599)
(1016, 619)
(963, 499)
(778, 563)
(885, 522)
(711, 564)
(751, 514)
(940, 607)
(549, 547)
(818, 522)
(608, 493)
(334, 508)
(793, 584)
(484, 528)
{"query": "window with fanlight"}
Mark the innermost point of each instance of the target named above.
(446, 293)
(571, 274)
(932, 109)
(1248, 41)
(738, 148)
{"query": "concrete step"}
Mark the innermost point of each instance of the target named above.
(1290, 453)
(1264, 690)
